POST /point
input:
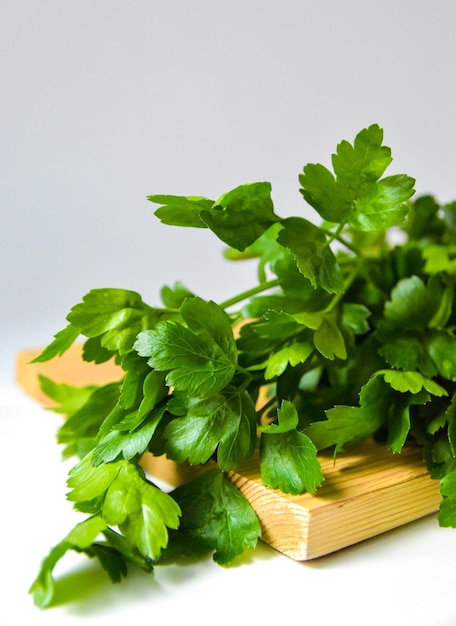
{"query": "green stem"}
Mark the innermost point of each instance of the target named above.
(264, 286)
(332, 235)
(267, 406)
(348, 281)
(336, 236)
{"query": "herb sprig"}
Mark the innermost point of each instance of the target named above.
(345, 336)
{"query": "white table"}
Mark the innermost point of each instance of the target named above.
(403, 577)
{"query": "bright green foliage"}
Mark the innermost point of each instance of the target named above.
(447, 513)
(200, 356)
(413, 330)
(292, 354)
(344, 336)
(357, 195)
(328, 339)
(141, 511)
(82, 426)
(238, 217)
(111, 550)
(314, 257)
(223, 425)
(80, 538)
(215, 517)
(63, 340)
(113, 317)
(181, 210)
(68, 398)
(346, 426)
(288, 458)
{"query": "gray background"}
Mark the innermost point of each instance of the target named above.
(104, 102)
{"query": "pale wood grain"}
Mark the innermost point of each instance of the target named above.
(366, 492)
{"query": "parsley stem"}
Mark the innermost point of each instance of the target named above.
(348, 281)
(336, 235)
(271, 402)
(269, 284)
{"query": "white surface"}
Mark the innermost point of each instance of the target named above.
(403, 577)
(104, 102)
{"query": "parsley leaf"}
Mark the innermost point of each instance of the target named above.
(347, 426)
(80, 538)
(181, 210)
(239, 217)
(215, 517)
(63, 340)
(447, 511)
(315, 259)
(224, 424)
(199, 357)
(288, 458)
(117, 315)
(141, 511)
(356, 195)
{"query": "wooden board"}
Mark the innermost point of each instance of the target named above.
(365, 493)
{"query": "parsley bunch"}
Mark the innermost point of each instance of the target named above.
(345, 336)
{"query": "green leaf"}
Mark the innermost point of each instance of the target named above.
(242, 215)
(173, 297)
(287, 420)
(93, 351)
(288, 458)
(329, 340)
(404, 352)
(385, 206)
(447, 511)
(83, 424)
(356, 195)
(409, 309)
(293, 355)
(136, 370)
(277, 325)
(130, 425)
(63, 340)
(88, 482)
(423, 220)
(181, 210)
(314, 257)
(265, 248)
(412, 382)
(367, 159)
(224, 423)
(321, 190)
(441, 291)
(439, 258)
(140, 510)
(441, 346)
(127, 445)
(116, 314)
(42, 588)
(199, 358)
(84, 533)
(215, 517)
(68, 398)
(357, 168)
(399, 422)
(347, 426)
(354, 317)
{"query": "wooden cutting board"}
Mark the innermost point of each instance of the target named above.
(365, 493)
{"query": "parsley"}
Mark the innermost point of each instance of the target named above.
(344, 336)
